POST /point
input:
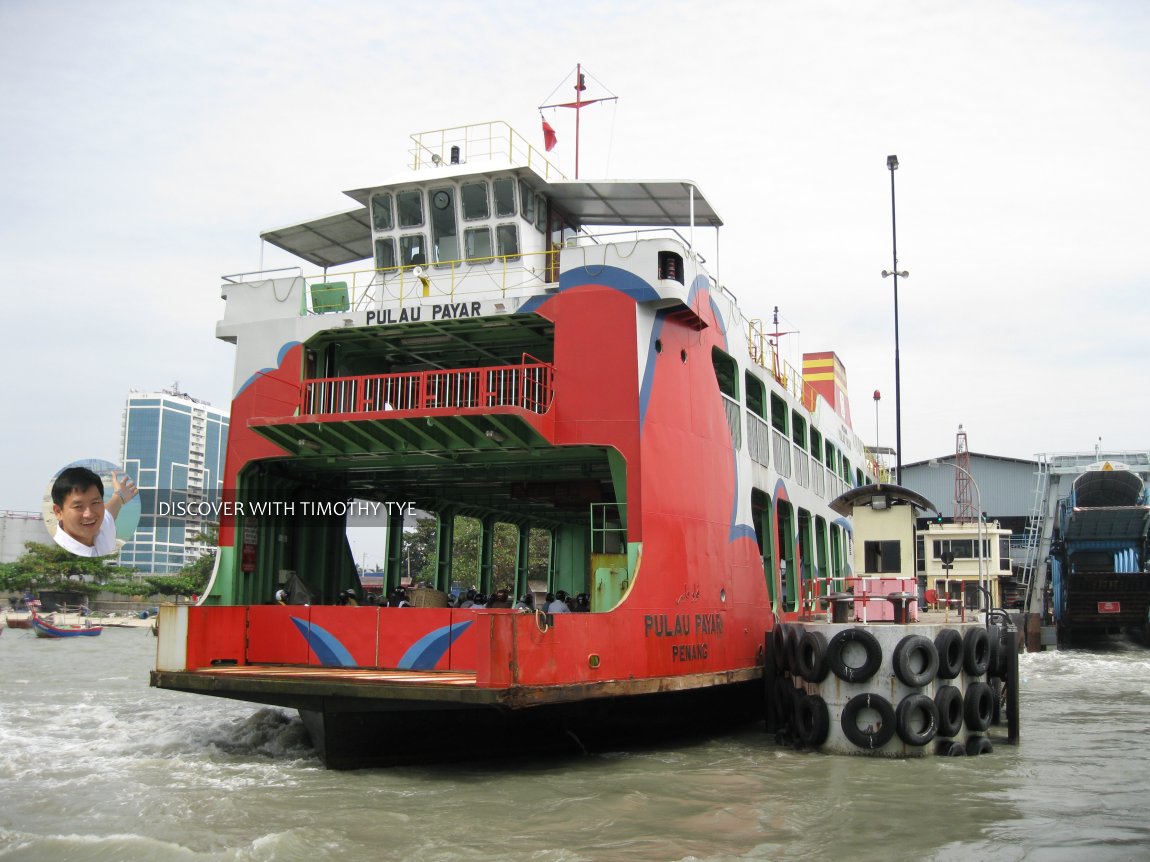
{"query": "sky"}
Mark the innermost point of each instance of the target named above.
(145, 145)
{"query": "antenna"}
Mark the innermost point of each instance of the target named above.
(578, 105)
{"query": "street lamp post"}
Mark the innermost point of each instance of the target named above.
(983, 582)
(892, 166)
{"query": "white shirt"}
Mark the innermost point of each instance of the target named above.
(558, 607)
(105, 540)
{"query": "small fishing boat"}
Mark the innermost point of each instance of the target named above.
(19, 621)
(45, 629)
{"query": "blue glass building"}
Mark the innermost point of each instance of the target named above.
(171, 443)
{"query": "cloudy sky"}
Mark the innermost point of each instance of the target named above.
(144, 146)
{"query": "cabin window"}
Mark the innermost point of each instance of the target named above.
(671, 266)
(860, 479)
(963, 549)
(541, 213)
(473, 197)
(882, 557)
(1004, 553)
(831, 455)
(477, 244)
(444, 233)
(816, 445)
(385, 253)
(778, 413)
(756, 395)
(413, 249)
(798, 430)
(526, 202)
(846, 471)
(410, 207)
(507, 241)
(919, 554)
(381, 216)
(726, 372)
(504, 197)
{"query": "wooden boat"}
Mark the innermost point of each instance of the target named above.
(23, 621)
(45, 629)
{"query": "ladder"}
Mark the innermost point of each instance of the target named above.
(1039, 528)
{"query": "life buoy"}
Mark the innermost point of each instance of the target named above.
(812, 720)
(978, 706)
(948, 699)
(975, 651)
(779, 647)
(876, 735)
(915, 660)
(950, 748)
(812, 657)
(850, 673)
(916, 719)
(948, 645)
(976, 745)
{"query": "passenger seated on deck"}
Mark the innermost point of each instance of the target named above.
(281, 597)
(397, 598)
(582, 603)
(347, 597)
(468, 600)
(557, 604)
(501, 599)
(526, 603)
(480, 602)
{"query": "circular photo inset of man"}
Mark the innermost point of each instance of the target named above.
(91, 508)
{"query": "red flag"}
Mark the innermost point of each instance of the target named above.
(549, 139)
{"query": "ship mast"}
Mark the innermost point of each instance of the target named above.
(578, 105)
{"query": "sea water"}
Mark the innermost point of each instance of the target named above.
(95, 765)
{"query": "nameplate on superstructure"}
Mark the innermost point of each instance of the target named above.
(430, 313)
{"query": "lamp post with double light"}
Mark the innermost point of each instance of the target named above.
(892, 166)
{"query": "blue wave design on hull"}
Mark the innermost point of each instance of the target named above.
(426, 652)
(325, 645)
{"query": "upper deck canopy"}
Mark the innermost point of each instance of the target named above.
(345, 237)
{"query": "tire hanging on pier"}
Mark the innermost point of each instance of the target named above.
(948, 645)
(876, 735)
(976, 745)
(916, 719)
(915, 661)
(812, 656)
(812, 720)
(978, 706)
(976, 651)
(948, 700)
(870, 665)
(779, 647)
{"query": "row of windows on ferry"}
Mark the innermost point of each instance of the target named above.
(881, 557)
(411, 213)
(787, 421)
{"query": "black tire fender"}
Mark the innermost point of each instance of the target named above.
(911, 652)
(876, 736)
(948, 700)
(978, 706)
(779, 647)
(812, 656)
(916, 719)
(948, 644)
(976, 745)
(976, 651)
(813, 720)
(950, 748)
(873, 655)
(792, 649)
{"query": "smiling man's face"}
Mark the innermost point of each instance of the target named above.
(81, 515)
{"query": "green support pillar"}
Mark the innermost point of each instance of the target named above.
(446, 541)
(394, 551)
(522, 560)
(486, 552)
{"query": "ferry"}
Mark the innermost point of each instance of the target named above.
(481, 336)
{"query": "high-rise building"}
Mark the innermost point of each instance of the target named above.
(173, 444)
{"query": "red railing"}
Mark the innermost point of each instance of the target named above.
(528, 385)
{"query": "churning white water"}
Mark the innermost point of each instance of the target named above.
(95, 765)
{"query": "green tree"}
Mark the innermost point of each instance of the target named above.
(48, 567)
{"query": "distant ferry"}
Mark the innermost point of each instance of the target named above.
(532, 351)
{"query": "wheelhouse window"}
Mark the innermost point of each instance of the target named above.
(413, 249)
(527, 202)
(444, 232)
(882, 557)
(756, 394)
(798, 430)
(778, 413)
(541, 213)
(385, 253)
(410, 208)
(726, 372)
(504, 189)
(816, 445)
(507, 241)
(473, 197)
(381, 214)
(477, 244)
